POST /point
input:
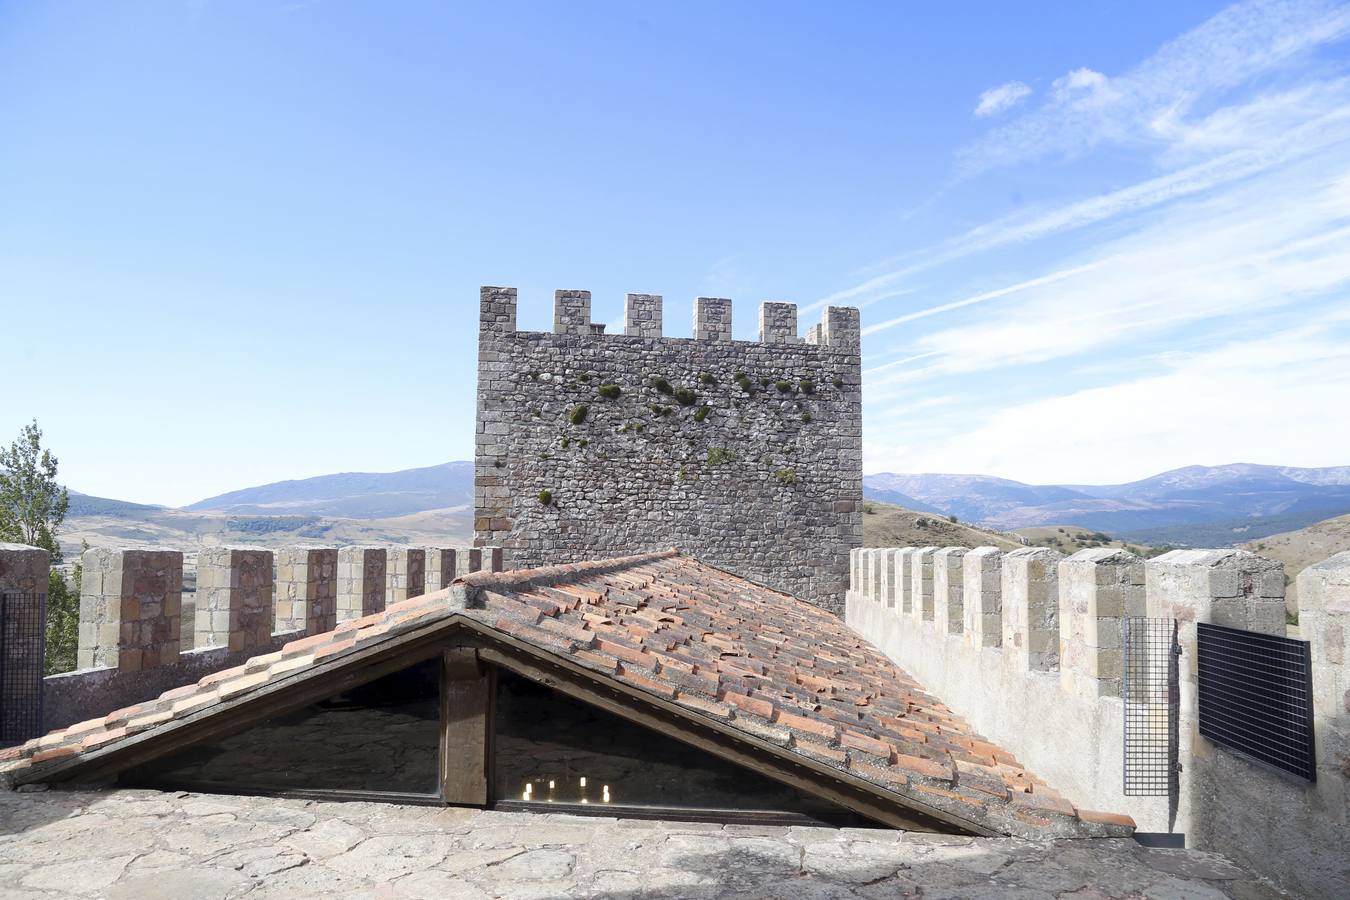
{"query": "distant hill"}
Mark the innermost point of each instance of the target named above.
(355, 495)
(885, 525)
(1303, 547)
(1231, 502)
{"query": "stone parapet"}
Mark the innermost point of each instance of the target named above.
(306, 589)
(921, 583)
(982, 603)
(949, 589)
(130, 608)
(1031, 607)
(361, 581)
(405, 574)
(1097, 588)
(234, 598)
(441, 567)
(778, 323)
(642, 315)
(712, 319)
(1037, 669)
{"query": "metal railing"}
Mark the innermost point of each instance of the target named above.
(23, 645)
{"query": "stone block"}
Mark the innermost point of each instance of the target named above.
(1030, 583)
(642, 315)
(1097, 587)
(234, 598)
(778, 323)
(982, 606)
(130, 608)
(921, 583)
(361, 581)
(441, 564)
(712, 319)
(571, 312)
(949, 589)
(306, 589)
(405, 573)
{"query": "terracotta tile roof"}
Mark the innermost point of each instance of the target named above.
(773, 668)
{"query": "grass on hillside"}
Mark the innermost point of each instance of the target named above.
(885, 525)
(1070, 539)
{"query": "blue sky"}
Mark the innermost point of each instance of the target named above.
(241, 242)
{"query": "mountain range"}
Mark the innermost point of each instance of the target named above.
(354, 495)
(1195, 505)
(1242, 501)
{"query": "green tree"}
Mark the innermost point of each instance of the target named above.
(63, 620)
(32, 504)
(32, 507)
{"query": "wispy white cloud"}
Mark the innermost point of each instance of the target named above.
(1257, 136)
(1079, 84)
(1001, 98)
(1259, 401)
(1087, 109)
(1279, 240)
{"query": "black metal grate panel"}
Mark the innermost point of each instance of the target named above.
(1255, 696)
(23, 644)
(1150, 694)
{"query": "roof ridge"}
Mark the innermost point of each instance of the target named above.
(475, 583)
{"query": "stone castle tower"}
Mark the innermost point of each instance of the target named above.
(746, 454)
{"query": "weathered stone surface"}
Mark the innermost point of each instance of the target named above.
(130, 608)
(745, 454)
(190, 845)
(361, 581)
(234, 598)
(306, 590)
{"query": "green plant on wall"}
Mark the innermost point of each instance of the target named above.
(584, 377)
(719, 456)
(744, 383)
(662, 385)
(702, 413)
(806, 417)
(706, 378)
(578, 413)
(807, 386)
(609, 391)
(659, 411)
(782, 385)
(837, 381)
(565, 442)
(786, 476)
(685, 397)
(546, 498)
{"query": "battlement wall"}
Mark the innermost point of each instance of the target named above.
(141, 634)
(745, 454)
(1027, 646)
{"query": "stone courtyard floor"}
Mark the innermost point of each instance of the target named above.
(147, 844)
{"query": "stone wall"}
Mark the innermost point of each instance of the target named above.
(1060, 711)
(131, 634)
(745, 454)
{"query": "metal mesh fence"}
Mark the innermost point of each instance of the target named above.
(1151, 698)
(23, 636)
(1255, 696)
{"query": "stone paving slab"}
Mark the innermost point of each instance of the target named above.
(149, 844)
